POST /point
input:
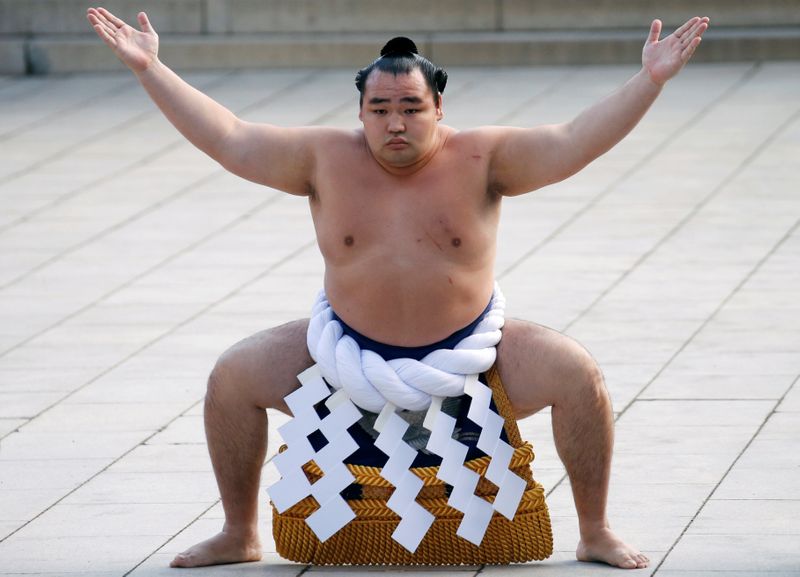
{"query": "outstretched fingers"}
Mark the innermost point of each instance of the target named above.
(104, 29)
(686, 26)
(690, 48)
(111, 18)
(136, 49)
(692, 37)
(696, 30)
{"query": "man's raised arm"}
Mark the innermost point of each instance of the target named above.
(525, 159)
(274, 156)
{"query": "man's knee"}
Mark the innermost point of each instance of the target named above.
(261, 369)
(542, 367)
(236, 376)
(223, 378)
(586, 382)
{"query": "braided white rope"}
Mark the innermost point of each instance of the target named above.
(371, 382)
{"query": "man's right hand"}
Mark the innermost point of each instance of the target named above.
(137, 50)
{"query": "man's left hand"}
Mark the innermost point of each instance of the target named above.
(663, 59)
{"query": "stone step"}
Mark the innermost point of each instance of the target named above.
(35, 17)
(65, 53)
(46, 36)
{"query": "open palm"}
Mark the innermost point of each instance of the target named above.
(663, 59)
(137, 49)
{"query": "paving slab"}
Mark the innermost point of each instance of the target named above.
(725, 573)
(791, 402)
(10, 425)
(129, 262)
(747, 517)
(756, 553)
(66, 520)
(146, 488)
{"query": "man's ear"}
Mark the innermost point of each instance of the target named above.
(439, 111)
(361, 113)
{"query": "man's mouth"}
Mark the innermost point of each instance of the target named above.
(397, 143)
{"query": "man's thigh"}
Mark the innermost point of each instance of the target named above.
(264, 366)
(540, 366)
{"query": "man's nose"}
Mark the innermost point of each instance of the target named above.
(396, 123)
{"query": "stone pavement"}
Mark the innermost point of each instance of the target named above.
(129, 261)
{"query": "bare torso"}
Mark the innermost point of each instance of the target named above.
(408, 259)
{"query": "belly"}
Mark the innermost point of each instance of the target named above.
(410, 265)
(411, 303)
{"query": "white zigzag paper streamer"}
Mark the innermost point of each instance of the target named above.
(414, 519)
(364, 378)
(334, 512)
(477, 511)
(510, 485)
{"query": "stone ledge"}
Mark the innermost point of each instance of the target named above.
(610, 14)
(357, 16)
(63, 54)
(606, 47)
(12, 56)
(69, 16)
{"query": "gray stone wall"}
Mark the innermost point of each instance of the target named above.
(280, 16)
(41, 36)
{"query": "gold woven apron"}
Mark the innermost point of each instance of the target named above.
(367, 539)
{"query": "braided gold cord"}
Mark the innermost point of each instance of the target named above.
(377, 508)
(371, 476)
(367, 539)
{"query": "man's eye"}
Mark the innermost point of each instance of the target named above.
(379, 111)
(412, 110)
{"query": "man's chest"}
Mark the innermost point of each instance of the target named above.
(446, 210)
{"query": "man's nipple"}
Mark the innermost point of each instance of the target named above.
(348, 240)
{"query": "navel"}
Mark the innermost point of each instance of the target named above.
(348, 240)
(456, 242)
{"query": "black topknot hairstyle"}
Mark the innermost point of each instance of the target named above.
(399, 45)
(400, 56)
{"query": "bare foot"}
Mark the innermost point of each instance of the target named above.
(604, 546)
(221, 549)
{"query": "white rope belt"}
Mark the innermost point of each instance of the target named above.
(365, 379)
(371, 382)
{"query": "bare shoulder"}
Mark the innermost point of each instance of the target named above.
(486, 144)
(283, 158)
(485, 136)
(332, 146)
(523, 159)
(486, 140)
(321, 137)
(334, 134)
(470, 138)
(331, 142)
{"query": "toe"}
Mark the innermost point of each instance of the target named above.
(628, 563)
(183, 560)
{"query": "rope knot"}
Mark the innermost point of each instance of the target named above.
(371, 382)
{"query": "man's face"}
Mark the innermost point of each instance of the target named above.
(399, 117)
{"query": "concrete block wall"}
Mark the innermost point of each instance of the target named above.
(41, 36)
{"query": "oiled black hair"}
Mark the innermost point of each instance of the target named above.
(400, 56)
